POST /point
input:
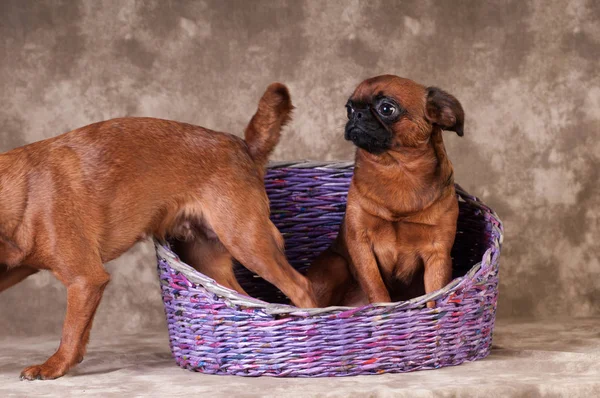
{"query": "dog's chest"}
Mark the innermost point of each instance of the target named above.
(398, 248)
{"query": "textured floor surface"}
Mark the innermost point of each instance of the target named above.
(549, 358)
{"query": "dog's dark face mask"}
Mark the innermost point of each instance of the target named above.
(370, 123)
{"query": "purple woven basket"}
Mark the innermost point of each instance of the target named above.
(216, 330)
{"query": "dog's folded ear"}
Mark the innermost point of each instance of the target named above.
(444, 110)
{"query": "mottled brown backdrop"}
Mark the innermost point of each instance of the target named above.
(527, 73)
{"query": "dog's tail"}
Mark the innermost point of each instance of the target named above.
(263, 131)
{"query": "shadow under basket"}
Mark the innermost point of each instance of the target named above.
(218, 331)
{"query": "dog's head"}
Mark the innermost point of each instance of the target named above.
(389, 112)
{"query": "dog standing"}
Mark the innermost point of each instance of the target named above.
(400, 222)
(71, 203)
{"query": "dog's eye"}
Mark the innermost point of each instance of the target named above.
(349, 110)
(387, 109)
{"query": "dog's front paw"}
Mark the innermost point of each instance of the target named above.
(42, 372)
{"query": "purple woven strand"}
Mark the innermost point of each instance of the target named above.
(209, 334)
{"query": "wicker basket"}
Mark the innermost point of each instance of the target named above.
(216, 330)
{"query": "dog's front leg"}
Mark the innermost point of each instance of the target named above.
(365, 264)
(367, 271)
(85, 286)
(438, 272)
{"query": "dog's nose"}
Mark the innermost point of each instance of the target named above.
(358, 114)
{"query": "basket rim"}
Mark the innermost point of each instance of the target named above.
(234, 298)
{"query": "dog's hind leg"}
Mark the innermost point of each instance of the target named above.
(210, 257)
(85, 282)
(11, 276)
(239, 217)
(256, 243)
(331, 279)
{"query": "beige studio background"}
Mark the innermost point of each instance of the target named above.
(526, 72)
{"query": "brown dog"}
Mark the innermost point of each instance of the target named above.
(402, 209)
(71, 203)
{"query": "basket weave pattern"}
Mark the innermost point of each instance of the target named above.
(215, 330)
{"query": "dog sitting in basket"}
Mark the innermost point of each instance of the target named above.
(400, 222)
(398, 215)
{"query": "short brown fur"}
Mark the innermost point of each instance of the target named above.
(400, 221)
(71, 203)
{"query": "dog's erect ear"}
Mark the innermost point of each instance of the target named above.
(444, 110)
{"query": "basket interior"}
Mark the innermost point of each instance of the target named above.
(308, 204)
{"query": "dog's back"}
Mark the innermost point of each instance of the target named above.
(103, 169)
(89, 181)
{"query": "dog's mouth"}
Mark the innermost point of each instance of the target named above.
(367, 141)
